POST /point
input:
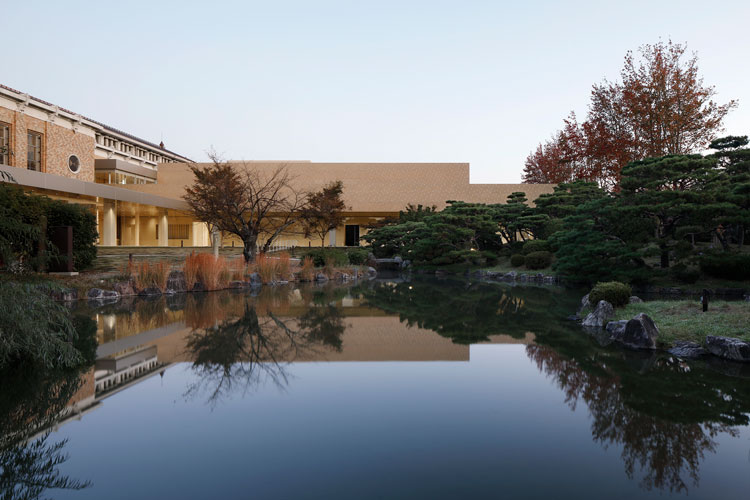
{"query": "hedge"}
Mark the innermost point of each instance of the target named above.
(536, 246)
(538, 260)
(729, 266)
(614, 292)
(517, 260)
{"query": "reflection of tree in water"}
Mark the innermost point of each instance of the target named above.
(243, 353)
(668, 452)
(33, 399)
(470, 312)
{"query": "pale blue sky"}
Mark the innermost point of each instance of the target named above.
(480, 82)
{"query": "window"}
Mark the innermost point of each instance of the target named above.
(34, 152)
(4, 144)
(74, 164)
(352, 236)
(179, 231)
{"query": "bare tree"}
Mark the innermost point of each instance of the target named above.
(323, 211)
(239, 199)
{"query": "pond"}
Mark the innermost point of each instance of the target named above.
(417, 388)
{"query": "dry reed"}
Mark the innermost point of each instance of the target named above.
(307, 272)
(191, 269)
(284, 265)
(267, 268)
(149, 275)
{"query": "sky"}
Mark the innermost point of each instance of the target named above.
(482, 82)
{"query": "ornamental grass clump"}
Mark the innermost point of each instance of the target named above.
(330, 266)
(284, 265)
(190, 268)
(213, 272)
(149, 275)
(268, 268)
(237, 269)
(616, 293)
(307, 272)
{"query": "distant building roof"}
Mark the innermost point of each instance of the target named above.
(103, 125)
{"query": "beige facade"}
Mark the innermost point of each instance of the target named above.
(135, 187)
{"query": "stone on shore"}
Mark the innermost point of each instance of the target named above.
(635, 300)
(639, 333)
(616, 327)
(176, 282)
(687, 350)
(600, 316)
(728, 348)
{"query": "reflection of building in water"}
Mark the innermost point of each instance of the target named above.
(112, 372)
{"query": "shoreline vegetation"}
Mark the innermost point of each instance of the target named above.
(684, 320)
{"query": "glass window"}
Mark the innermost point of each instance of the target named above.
(34, 152)
(4, 144)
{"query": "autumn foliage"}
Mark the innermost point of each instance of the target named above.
(659, 107)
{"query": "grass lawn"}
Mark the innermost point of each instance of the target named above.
(685, 320)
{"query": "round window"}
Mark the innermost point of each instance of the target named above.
(74, 164)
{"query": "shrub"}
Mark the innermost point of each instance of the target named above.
(307, 273)
(284, 265)
(538, 260)
(729, 266)
(357, 256)
(685, 274)
(517, 260)
(268, 268)
(536, 246)
(319, 256)
(614, 292)
(84, 229)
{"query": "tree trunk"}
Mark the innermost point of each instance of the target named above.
(215, 241)
(249, 248)
(664, 257)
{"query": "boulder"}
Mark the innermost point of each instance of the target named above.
(176, 282)
(372, 272)
(99, 294)
(615, 328)
(64, 294)
(237, 284)
(321, 277)
(522, 278)
(151, 291)
(511, 276)
(398, 260)
(635, 300)
(585, 302)
(639, 333)
(255, 279)
(687, 350)
(124, 288)
(728, 348)
(600, 316)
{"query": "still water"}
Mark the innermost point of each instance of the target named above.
(414, 389)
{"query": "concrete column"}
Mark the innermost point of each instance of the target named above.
(109, 224)
(332, 237)
(199, 235)
(137, 230)
(163, 230)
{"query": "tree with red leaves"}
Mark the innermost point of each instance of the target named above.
(661, 106)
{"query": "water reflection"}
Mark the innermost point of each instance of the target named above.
(664, 416)
(32, 400)
(242, 353)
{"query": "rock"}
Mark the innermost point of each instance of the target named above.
(747, 297)
(176, 282)
(321, 277)
(237, 284)
(601, 315)
(372, 272)
(124, 288)
(64, 295)
(573, 317)
(639, 333)
(406, 263)
(615, 328)
(255, 279)
(685, 349)
(585, 302)
(398, 260)
(522, 278)
(511, 276)
(635, 300)
(151, 291)
(99, 294)
(728, 348)
(199, 287)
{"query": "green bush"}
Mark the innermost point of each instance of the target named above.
(84, 229)
(532, 246)
(337, 256)
(357, 256)
(614, 292)
(538, 260)
(729, 266)
(684, 274)
(517, 260)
